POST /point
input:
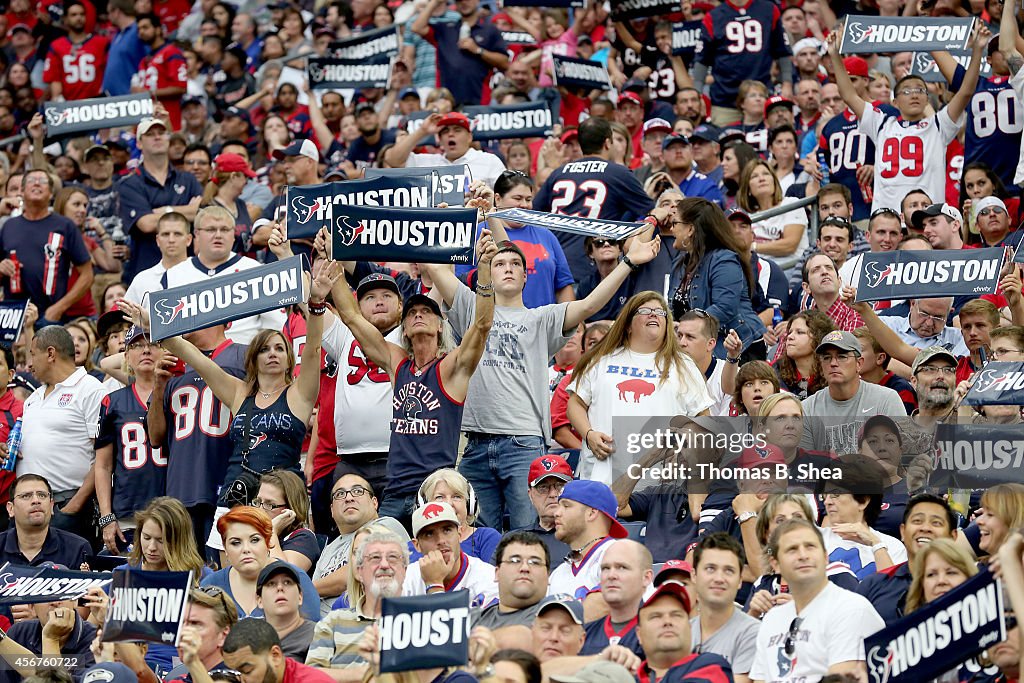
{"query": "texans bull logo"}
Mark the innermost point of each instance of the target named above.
(347, 233)
(167, 312)
(880, 664)
(51, 252)
(923, 63)
(875, 275)
(256, 441)
(859, 32)
(987, 379)
(316, 72)
(304, 212)
(412, 407)
(55, 117)
(548, 464)
(7, 581)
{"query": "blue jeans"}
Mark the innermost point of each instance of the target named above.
(498, 467)
(400, 507)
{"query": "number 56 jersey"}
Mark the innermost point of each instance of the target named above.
(908, 156)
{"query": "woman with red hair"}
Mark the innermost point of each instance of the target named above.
(247, 534)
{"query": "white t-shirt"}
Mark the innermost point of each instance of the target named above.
(1017, 83)
(243, 330)
(483, 165)
(857, 556)
(772, 229)
(908, 156)
(722, 401)
(628, 384)
(58, 431)
(362, 397)
(476, 576)
(144, 282)
(833, 630)
(579, 579)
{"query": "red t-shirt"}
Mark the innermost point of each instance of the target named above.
(78, 68)
(10, 410)
(300, 673)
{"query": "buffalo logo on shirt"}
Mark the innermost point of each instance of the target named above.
(347, 233)
(875, 275)
(65, 400)
(304, 212)
(168, 313)
(859, 32)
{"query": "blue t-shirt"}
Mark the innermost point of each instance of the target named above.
(126, 51)
(43, 252)
(699, 185)
(310, 608)
(546, 267)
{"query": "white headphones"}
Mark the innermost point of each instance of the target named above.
(472, 506)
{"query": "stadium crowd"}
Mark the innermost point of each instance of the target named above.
(417, 429)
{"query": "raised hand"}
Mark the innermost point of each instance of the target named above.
(644, 252)
(278, 243)
(134, 312)
(324, 275)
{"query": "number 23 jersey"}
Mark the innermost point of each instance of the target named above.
(908, 156)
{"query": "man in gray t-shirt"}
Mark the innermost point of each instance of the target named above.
(834, 415)
(507, 416)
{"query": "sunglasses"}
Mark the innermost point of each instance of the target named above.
(789, 647)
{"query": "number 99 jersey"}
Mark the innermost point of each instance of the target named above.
(741, 44)
(908, 156)
(140, 470)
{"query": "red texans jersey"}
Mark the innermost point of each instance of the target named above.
(165, 68)
(78, 68)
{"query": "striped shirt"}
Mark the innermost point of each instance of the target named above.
(336, 638)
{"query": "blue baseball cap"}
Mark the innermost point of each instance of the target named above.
(706, 132)
(674, 140)
(597, 495)
(409, 92)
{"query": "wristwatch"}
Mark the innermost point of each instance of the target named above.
(479, 52)
(744, 516)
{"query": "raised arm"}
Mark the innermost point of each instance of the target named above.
(1010, 43)
(325, 274)
(230, 390)
(421, 26)
(403, 147)
(639, 254)
(946, 64)
(883, 334)
(377, 349)
(846, 89)
(458, 367)
(962, 98)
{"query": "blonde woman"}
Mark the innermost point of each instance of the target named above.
(661, 381)
(449, 486)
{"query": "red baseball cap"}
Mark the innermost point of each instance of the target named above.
(630, 96)
(657, 126)
(856, 66)
(455, 118)
(756, 456)
(777, 101)
(233, 163)
(674, 589)
(672, 566)
(549, 466)
(571, 134)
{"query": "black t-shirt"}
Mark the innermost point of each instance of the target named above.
(364, 154)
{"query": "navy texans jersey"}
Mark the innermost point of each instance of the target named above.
(633, 60)
(593, 188)
(662, 81)
(600, 634)
(741, 44)
(995, 118)
(198, 443)
(140, 470)
(846, 150)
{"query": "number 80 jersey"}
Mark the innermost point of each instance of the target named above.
(908, 156)
(140, 469)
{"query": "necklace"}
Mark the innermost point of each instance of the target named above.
(266, 394)
(420, 368)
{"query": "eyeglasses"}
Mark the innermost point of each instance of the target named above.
(36, 180)
(999, 353)
(229, 675)
(356, 491)
(885, 211)
(660, 312)
(218, 593)
(789, 647)
(267, 505)
(938, 370)
(826, 358)
(913, 91)
(937, 318)
(548, 489)
(990, 210)
(517, 560)
(38, 495)
(375, 559)
(196, 162)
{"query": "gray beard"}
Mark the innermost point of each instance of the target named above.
(385, 588)
(937, 398)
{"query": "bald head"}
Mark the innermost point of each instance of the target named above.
(626, 572)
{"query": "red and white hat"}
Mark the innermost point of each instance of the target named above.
(432, 513)
(549, 466)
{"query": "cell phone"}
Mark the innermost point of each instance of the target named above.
(983, 356)
(178, 369)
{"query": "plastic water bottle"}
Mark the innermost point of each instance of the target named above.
(13, 446)
(823, 167)
(776, 317)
